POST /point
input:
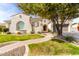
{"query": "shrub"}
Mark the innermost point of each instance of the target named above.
(32, 32)
(18, 33)
(39, 32)
(8, 32)
(69, 38)
(6, 29)
(49, 30)
(57, 40)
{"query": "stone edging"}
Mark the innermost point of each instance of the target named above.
(12, 48)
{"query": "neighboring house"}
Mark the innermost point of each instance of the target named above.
(25, 24)
(74, 26)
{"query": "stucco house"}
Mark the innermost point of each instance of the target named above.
(26, 24)
(74, 26)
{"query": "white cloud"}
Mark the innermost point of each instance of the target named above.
(2, 15)
(7, 10)
(5, 15)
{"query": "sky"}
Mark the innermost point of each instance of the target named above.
(7, 10)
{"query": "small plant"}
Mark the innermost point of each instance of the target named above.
(49, 30)
(8, 32)
(18, 33)
(39, 32)
(32, 32)
(69, 38)
(57, 40)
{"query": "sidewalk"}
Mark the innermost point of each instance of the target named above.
(46, 38)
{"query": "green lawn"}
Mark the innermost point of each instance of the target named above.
(7, 38)
(53, 47)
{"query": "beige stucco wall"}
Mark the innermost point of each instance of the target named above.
(41, 24)
(15, 19)
(38, 28)
(26, 19)
(50, 26)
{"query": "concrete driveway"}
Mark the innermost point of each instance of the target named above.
(73, 34)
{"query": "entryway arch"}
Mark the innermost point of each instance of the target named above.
(45, 28)
(20, 25)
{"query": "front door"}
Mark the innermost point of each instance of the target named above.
(78, 27)
(45, 28)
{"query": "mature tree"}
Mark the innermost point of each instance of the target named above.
(57, 13)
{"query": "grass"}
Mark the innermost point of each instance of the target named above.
(53, 47)
(7, 38)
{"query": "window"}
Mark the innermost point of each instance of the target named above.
(36, 24)
(20, 25)
(20, 16)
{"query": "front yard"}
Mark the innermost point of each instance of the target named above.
(9, 37)
(53, 47)
(48, 48)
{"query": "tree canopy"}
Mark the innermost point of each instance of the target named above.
(58, 13)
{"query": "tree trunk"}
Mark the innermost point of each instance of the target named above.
(60, 31)
(58, 28)
(54, 28)
(32, 26)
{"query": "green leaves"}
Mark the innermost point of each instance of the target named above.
(48, 10)
(59, 13)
